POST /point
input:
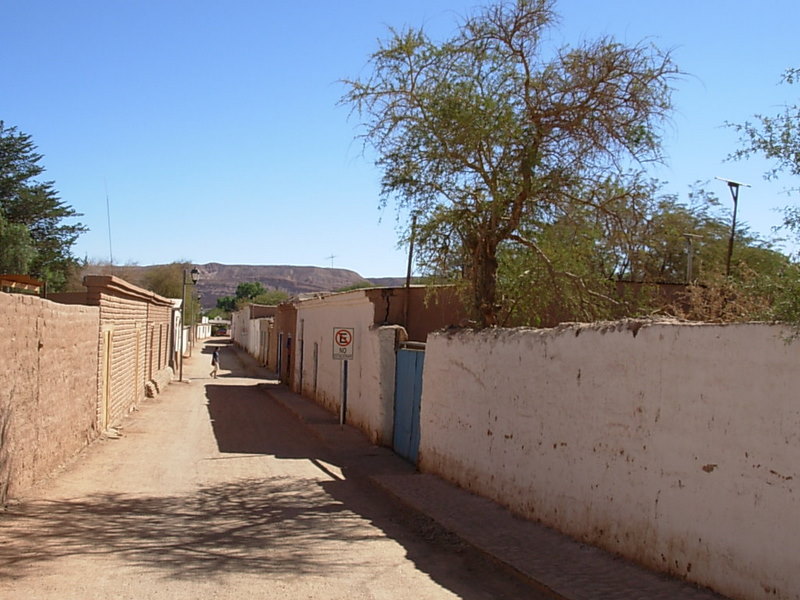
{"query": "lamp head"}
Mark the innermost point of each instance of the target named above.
(733, 184)
(194, 274)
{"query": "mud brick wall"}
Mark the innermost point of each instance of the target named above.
(133, 344)
(159, 319)
(48, 387)
(126, 320)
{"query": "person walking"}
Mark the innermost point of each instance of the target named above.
(214, 363)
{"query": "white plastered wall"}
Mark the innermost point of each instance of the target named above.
(371, 372)
(676, 445)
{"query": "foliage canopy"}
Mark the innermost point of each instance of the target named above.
(490, 136)
(34, 236)
(251, 292)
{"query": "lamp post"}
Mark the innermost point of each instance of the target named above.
(195, 275)
(733, 186)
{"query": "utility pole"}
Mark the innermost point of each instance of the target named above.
(690, 237)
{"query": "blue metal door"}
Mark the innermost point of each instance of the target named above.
(407, 399)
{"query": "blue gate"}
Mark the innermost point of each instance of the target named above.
(407, 399)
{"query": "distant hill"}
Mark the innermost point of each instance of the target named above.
(217, 280)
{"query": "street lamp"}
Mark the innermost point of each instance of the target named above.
(195, 275)
(733, 186)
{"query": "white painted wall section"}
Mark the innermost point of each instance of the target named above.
(676, 445)
(373, 354)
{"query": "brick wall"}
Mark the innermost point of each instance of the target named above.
(48, 387)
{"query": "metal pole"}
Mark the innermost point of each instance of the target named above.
(191, 323)
(343, 405)
(734, 188)
(690, 237)
(183, 322)
(408, 271)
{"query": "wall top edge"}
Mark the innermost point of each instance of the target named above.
(116, 286)
(631, 325)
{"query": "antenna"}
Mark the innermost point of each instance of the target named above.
(330, 258)
(108, 218)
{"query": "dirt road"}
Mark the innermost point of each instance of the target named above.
(215, 490)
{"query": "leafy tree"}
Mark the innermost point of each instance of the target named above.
(485, 137)
(585, 259)
(271, 297)
(26, 202)
(249, 290)
(775, 137)
(226, 303)
(16, 248)
(167, 280)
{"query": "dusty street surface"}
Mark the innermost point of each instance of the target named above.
(216, 491)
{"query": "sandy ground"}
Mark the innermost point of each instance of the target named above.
(215, 490)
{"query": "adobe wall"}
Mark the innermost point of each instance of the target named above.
(286, 336)
(48, 387)
(675, 445)
(429, 309)
(133, 344)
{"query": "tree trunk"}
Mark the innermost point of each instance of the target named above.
(484, 281)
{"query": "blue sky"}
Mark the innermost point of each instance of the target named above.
(214, 131)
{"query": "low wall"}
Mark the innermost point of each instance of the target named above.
(48, 387)
(675, 445)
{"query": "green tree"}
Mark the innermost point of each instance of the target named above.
(227, 303)
(484, 135)
(16, 248)
(27, 202)
(775, 137)
(167, 280)
(271, 297)
(583, 258)
(249, 290)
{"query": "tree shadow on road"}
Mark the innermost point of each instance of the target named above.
(275, 527)
(272, 526)
(248, 421)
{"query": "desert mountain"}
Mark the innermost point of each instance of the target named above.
(217, 280)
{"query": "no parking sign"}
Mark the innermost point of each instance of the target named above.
(343, 343)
